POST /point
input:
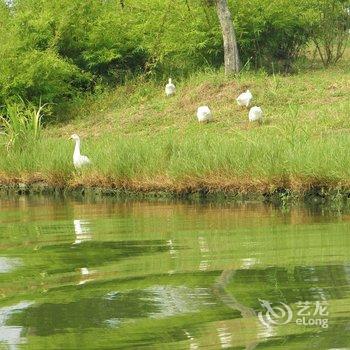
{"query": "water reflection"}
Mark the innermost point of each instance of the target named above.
(85, 275)
(184, 276)
(84, 313)
(11, 335)
(8, 264)
(172, 250)
(82, 231)
(171, 301)
(193, 343)
(114, 308)
(248, 263)
(225, 336)
(204, 251)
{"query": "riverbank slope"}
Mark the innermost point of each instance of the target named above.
(141, 141)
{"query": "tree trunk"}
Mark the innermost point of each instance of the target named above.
(232, 62)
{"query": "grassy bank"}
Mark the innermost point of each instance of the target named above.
(140, 140)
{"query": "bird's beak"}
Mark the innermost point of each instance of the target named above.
(70, 138)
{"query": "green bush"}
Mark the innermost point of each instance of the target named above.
(330, 22)
(55, 50)
(271, 31)
(30, 64)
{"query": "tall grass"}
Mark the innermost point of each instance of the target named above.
(194, 159)
(22, 123)
(137, 138)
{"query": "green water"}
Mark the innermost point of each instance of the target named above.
(150, 275)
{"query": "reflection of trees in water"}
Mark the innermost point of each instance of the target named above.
(11, 335)
(231, 302)
(157, 302)
(228, 299)
(218, 215)
(163, 301)
(50, 318)
(290, 284)
(94, 253)
(314, 282)
(302, 283)
(139, 255)
(181, 300)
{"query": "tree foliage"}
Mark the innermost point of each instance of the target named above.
(330, 28)
(54, 50)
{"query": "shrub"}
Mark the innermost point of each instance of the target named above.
(271, 30)
(330, 28)
(53, 51)
(36, 75)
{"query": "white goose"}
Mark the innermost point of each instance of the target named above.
(170, 88)
(204, 114)
(255, 114)
(244, 98)
(78, 159)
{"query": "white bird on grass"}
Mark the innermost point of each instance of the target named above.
(170, 88)
(78, 159)
(204, 114)
(255, 114)
(244, 98)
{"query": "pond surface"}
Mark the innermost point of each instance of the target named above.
(169, 275)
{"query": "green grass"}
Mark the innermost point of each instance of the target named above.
(139, 139)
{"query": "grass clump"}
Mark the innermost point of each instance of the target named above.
(22, 123)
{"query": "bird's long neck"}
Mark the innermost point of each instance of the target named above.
(77, 148)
